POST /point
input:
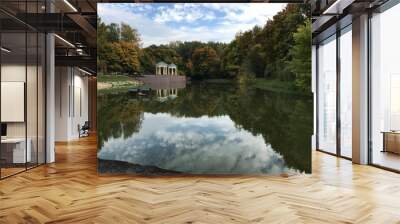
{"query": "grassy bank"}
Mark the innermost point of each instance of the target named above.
(220, 81)
(277, 86)
(114, 78)
(116, 83)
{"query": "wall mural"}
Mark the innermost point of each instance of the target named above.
(201, 90)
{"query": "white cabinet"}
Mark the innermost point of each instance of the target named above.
(19, 155)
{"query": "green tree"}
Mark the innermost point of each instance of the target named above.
(129, 34)
(300, 64)
(205, 63)
(255, 60)
(118, 48)
(151, 55)
(101, 44)
(128, 53)
(111, 57)
(113, 32)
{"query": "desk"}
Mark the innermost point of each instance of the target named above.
(391, 141)
(14, 150)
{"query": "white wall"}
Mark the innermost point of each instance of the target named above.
(71, 87)
(62, 82)
(80, 105)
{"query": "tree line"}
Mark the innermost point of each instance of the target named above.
(280, 50)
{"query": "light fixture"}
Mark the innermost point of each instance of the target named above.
(64, 40)
(5, 50)
(86, 72)
(70, 5)
(80, 51)
(337, 7)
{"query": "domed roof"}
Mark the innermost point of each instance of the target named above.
(162, 64)
(172, 65)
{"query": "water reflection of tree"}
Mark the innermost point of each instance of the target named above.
(118, 116)
(285, 121)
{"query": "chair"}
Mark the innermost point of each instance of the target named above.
(84, 130)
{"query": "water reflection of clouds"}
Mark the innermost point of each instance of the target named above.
(195, 145)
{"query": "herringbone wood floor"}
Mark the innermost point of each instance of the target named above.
(70, 191)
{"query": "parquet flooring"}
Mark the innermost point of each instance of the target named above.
(10, 171)
(70, 191)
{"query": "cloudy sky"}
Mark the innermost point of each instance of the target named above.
(160, 23)
(212, 145)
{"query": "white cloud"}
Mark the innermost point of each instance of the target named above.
(196, 145)
(151, 31)
(256, 13)
(163, 23)
(187, 12)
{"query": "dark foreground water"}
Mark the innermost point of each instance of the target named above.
(204, 129)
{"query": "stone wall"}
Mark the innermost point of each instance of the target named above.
(164, 81)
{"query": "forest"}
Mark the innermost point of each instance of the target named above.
(278, 51)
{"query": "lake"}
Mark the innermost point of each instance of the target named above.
(204, 128)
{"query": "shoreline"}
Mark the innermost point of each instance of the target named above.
(117, 83)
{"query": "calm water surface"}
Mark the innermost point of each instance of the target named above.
(205, 129)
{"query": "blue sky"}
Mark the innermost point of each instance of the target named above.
(161, 23)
